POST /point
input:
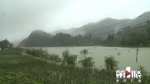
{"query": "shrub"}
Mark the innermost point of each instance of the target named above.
(87, 62)
(54, 58)
(84, 52)
(111, 63)
(68, 59)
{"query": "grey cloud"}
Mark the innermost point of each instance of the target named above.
(18, 18)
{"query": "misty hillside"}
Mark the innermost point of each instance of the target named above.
(71, 31)
(36, 38)
(127, 37)
(96, 27)
(23, 42)
(64, 36)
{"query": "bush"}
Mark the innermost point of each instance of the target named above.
(68, 59)
(87, 62)
(54, 58)
(111, 63)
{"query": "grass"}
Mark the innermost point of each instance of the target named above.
(10, 52)
(51, 73)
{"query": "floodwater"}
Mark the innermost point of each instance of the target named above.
(126, 56)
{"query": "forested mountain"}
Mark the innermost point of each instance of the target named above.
(138, 36)
(127, 37)
(130, 36)
(23, 42)
(36, 38)
(96, 27)
(72, 31)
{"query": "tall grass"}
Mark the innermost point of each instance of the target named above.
(14, 51)
(53, 73)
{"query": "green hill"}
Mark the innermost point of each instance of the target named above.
(75, 36)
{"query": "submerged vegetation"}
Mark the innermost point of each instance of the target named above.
(87, 61)
(111, 63)
(59, 70)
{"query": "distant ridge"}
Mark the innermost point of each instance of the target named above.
(104, 23)
(41, 38)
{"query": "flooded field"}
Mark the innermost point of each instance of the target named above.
(126, 56)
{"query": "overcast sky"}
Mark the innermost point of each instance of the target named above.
(18, 18)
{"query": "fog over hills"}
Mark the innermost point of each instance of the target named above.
(39, 37)
(72, 31)
(18, 18)
(88, 28)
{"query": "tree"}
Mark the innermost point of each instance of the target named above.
(97, 40)
(134, 37)
(84, 52)
(111, 63)
(90, 36)
(71, 60)
(110, 39)
(87, 61)
(65, 55)
(67, 58)
(54, 58)
(148, 31)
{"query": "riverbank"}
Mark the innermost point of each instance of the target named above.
(99, 53)
(99, 46)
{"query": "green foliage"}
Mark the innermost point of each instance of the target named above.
(145, 75)
(37, 52)
(15, 78)
(37, 38)
(110, 39)
(53, 73)
(126, 37)
(133, 37)
(60, 39)
(84, 52)
(65, 54)
(67, 58)
(54, 58)
(111, 63)
(43, 54)
(87, 62)
(13, 51)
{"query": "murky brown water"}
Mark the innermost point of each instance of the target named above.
(126, 58)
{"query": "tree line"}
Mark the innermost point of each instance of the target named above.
(128, 37)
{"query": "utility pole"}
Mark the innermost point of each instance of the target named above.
(137, 53)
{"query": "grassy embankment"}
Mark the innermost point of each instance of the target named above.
(20, 68)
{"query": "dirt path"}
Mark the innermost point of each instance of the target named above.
(48, 61)
(38, 58)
